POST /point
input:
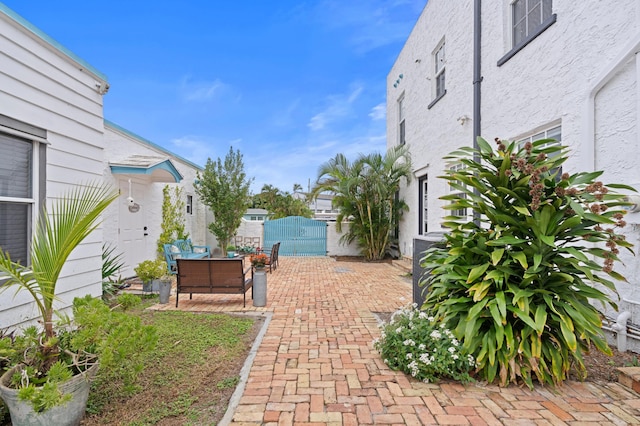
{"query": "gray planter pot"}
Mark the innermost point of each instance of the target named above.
(164, 290)
(69, 414)
(259, 287)
(152, 286)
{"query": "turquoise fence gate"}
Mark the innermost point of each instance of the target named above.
(298, 236)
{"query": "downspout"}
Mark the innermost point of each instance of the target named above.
(633, 48)
(620, 328)
(477, 81)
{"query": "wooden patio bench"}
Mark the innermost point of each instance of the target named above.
(213, 276)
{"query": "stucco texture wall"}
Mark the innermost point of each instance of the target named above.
(547, 83)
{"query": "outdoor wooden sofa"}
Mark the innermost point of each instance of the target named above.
(217, 275)
(183, 249)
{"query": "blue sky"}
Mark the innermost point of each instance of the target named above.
(288, 83)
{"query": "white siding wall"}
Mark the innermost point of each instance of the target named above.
(41, 86)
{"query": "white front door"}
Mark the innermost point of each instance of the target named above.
(132, 236)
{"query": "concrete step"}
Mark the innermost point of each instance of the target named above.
(629, 377)
(404, 264)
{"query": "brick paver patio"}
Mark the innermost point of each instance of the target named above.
(316, 365)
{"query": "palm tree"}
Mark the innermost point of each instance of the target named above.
(58, 232)
(365, 193)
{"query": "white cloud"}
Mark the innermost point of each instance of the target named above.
(339, 106)
(378, 112)
(374, 23)
(199, 91)
(193, 149)
(318, 121)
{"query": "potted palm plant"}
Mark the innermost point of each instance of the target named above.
(47, 368)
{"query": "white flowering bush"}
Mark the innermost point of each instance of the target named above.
(415, 343)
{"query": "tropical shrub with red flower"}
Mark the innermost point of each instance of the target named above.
(519, 286)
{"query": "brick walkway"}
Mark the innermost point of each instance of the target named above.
(316, 366)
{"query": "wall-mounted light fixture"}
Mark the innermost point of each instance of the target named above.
(102, 87)
(400, 77)
(463, 119)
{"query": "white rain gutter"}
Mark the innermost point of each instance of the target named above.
(633, 48)
(589, 153)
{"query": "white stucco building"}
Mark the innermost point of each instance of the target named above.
(567, 70)
(53, 136)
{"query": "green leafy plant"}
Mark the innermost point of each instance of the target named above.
(112, 262)
(247, 249)
(635, 362)
(515, 285)
(231, 248)
(149, 270)
(365, 194)
(96, 331)
(224, 188)
(173, 222)
(280, 203)
(413, 342)
(71, 219)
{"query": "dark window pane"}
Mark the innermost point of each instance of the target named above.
(14, 233)
(15, 167)
(518, 11)
(519, 32)
(532, 4)
(546, 9)
(535, 18)
(440, 84)
(402, 133)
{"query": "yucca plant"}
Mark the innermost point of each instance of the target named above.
(516, 284)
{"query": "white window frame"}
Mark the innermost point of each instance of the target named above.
(553, 131)
(32, 201)
(547, 132)
(439, 76)
(423, 226)
(531, 27)
(402, 129)
(460, 212)
(189, 204)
